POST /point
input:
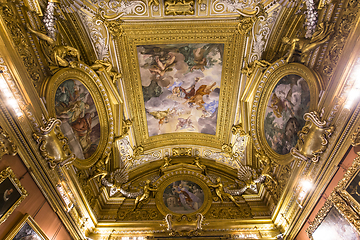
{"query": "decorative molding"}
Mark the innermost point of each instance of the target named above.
(20, 41)
(7, 146)
(177, 152)
(113, 9)
(355, 137)
(179, 7)
(245, 8)
(217, 212)
(342, 31)
(97, 32)
(53, 145)
(313, 138)
(184, 226)
(261, 32)
(139, 215)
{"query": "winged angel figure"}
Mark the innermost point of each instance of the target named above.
(248, 177)
(121, 176)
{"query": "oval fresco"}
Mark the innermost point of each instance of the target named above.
(289, 101)
(183, 197)
(75, 107)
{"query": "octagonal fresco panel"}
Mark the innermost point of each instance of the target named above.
(183, 197)
(75, 107)
(181, 86)
(289, 101)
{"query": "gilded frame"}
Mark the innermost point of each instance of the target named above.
(101, 96)
(184, 175)
(265, 87)
(9, 174)
(334, 200)
(352, 172)
(27, 219)
(176, 33)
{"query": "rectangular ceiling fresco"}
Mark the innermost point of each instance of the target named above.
(181, 86)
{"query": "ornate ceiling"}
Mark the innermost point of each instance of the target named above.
(159, 118)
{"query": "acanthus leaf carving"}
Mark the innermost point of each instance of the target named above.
(313, 138)
(53, 145)
(184, 227)
(7, 145)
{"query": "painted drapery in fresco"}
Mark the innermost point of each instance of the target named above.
(75, 107)
(289, 101)
(183, 197)
(181, 86)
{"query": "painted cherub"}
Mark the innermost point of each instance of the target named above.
(161, 67)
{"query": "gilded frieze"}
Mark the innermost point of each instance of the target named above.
(139, 214)
(7, 146)
(21, 43)
(179, 7)
(342, 31)
(217, 212)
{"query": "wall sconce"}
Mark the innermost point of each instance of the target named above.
(8, 96)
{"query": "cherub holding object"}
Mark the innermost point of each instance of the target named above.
(219, 190)
(145, 196)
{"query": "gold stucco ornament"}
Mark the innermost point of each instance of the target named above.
(53, 145)
(146, 194)
(62, 56)
(303, 47)
(220, 192)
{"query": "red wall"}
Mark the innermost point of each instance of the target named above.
(34, 204)
(346, 163)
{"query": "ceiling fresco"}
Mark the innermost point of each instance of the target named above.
(181, 86)
(289, 101)
(75, 107)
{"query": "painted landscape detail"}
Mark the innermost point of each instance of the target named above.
(288, 103)
(75, 107)
(183, 197)
(181, 86)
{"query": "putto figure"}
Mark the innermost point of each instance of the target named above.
(145, 196)
(219, 190)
